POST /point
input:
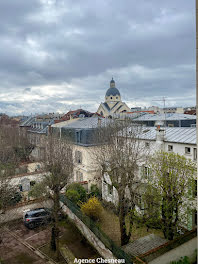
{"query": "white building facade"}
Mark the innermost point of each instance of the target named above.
(170, 139)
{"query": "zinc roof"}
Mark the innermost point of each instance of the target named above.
(82, 123)
(169, 116)
(28, 121)
(185, 135)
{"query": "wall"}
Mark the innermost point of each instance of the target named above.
(180, 149)
(16, 180)
(35, 166)
(17, 212)
(186, 249)
(90, 236)
(88, 167)
(154, 145)
(106, 186)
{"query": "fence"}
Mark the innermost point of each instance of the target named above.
(117, 251)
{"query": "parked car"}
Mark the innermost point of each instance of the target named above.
(36, 217)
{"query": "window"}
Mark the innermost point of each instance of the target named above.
(43, 213)
(187, 150)
(36, 214)
(170, 147)
(111, 97)
(138, 201)
(170, 125)
(146, 144)
(79, 176)
(195, 189)
(195, 154)
(146, 172)
(32, 183)
(78, 136)
(78, 157)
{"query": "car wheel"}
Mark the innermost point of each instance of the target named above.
(31, 225)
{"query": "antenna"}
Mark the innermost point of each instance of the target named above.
(164, 102)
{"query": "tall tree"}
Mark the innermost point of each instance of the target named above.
(119, 153)
(59, 165)
(14, 145)
(172, 177)
(9, 161)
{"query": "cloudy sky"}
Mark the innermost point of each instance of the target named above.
(57, 55)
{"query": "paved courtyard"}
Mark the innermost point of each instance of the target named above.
(12, 251)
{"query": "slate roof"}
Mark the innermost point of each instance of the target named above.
(40, 129)
(82, 123)
(107, 107)
(115, 105)
(27, 122)
(169, 116)
(112, 91)
(185, 135)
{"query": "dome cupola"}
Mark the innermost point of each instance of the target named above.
(112, 91)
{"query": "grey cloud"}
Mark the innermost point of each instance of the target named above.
(55, 42)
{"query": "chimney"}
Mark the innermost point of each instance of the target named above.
(160, 134)
(160, 137)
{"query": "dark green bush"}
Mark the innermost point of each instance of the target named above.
(95, 191)
(73, 195)
(79, 189)
(16, 198)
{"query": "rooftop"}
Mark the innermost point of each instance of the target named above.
(82, 123)
(185, 135)
(168, 116)
(144, 244)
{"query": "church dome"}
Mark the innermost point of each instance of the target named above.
(112, 91)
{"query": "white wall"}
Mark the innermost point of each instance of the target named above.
(88, 167)
(16, 180)
(186, 249)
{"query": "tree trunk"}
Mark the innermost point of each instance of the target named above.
(122, 214)
(56, 209)
(53, 239)
(167, 218)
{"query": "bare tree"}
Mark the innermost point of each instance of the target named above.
(59, 165)
(14, 145)
(9, 161)
(119, 153)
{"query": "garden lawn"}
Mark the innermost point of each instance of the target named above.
(75, 242)
(109, 223)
